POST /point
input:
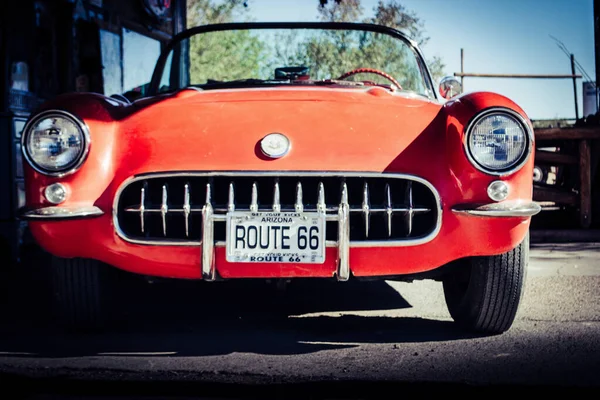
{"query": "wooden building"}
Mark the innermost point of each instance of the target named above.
(48, 47)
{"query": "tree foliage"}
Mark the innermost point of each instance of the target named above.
(244, 51)
(332, 53)
(204, 12)
(341, 11)
(329, 55)
(387, 12)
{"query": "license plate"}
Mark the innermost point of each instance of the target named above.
(282, 237)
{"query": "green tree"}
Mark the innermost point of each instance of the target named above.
(243, 51)
(204, 12)
(387, 12)
(340, 11)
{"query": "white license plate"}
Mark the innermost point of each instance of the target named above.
(283, 237)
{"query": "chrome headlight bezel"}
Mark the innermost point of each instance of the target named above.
(78, 122)
(518, 164)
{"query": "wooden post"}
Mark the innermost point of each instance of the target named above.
(574, 86)
(585, 184)
(462, 69)
(597, 43)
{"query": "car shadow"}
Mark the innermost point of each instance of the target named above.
(188, 318)
(290, 337)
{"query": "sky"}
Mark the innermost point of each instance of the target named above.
(504, 36)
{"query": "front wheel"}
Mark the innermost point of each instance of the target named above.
(483, 293)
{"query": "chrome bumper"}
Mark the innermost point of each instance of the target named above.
(59, 213)
(502, 209)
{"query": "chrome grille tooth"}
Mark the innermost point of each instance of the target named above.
(164, 209)
(389, 210)
(254, 200)
(343, 267)
(143, 205)
(276, 199)
(366, 206)
(321, 206)
(208, 196)
(421, 210)
(410, 212)
(187, 209)
(231, 198)
(344, 195)
(299, 206)
(208, 266)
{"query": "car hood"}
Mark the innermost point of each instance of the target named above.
(329, 129)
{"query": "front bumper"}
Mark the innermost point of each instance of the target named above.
(60, 213)
(465, 231)
(505, 209)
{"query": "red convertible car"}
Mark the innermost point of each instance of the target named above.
(286, 150)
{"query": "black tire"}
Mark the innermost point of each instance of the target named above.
(77, 292)
(483, 293)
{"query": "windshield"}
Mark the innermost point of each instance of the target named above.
(292, 56)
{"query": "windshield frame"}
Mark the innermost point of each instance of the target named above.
(160, 64)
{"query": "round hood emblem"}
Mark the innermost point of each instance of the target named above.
(275, 145)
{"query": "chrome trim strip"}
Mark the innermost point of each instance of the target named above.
(187, 209)
(164, 209)
(503, 209)
(276, 198)
(208, 260)
(409, 212)
(321, 207)
(526, 154)
(231, 198)
(299, 206)
(341, 174)
(142, 205)
(388, 208)
(366, 208)
(85, 134)
(54, 213)
(254, 201)
(343, 267)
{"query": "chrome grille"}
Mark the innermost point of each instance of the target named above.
(173, 208)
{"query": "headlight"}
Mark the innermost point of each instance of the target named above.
(55, 143)
(498, 141)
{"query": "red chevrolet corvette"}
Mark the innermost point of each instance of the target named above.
(286, 150)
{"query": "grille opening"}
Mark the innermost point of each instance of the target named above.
(423, 221)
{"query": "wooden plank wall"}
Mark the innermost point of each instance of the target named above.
(580, 193)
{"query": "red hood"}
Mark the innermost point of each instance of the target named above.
(330, 129)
